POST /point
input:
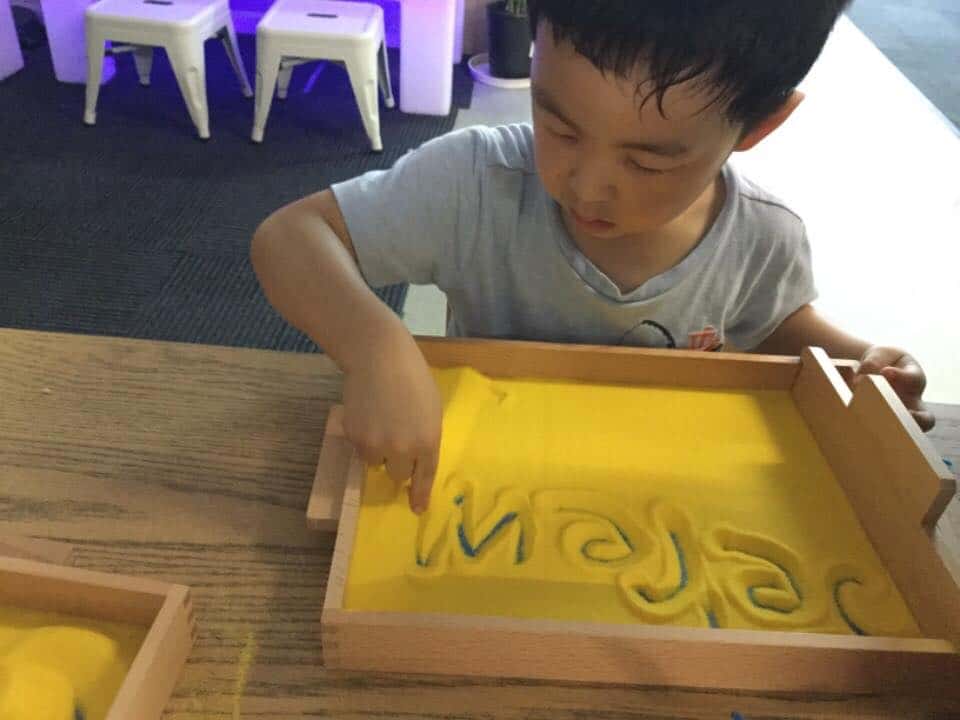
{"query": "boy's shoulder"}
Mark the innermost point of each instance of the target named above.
(759, 209)
(508, 147)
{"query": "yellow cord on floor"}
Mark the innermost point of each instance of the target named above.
(58, 667)
(627, 505)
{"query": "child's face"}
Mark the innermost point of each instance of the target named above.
(616, 169)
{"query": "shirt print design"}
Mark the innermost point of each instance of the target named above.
(652, 334)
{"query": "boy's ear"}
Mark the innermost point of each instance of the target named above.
(770, 123)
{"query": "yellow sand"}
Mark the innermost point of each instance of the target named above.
(624, 504)
(60, 667)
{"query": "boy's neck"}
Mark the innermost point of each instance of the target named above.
(630, 261)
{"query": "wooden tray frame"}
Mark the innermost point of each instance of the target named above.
(892, 476)
(163, 608)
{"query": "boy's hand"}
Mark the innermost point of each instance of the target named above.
(905, 376)
(392, 415)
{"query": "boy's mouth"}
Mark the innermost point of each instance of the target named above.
(592, 225)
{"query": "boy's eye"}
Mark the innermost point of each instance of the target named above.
(564, 134)
(634, 165)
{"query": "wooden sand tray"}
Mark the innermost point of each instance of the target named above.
(164, 611)
(680, 519)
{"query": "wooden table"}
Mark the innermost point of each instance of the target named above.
(193, 464)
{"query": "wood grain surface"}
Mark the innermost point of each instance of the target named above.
(193, 465)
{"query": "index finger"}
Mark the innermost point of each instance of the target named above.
(421, 482)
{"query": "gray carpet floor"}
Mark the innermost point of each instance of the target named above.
(922, 38)
(136, 228)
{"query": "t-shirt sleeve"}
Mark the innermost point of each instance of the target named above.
(777, 282)
(404, 221)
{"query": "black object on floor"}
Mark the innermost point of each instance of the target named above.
(30, 30)
(136, 228)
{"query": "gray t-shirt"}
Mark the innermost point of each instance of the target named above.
(468, 213)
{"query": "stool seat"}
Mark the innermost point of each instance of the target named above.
(293, 32)
(137, 14)
(180, 27)
(323, 19)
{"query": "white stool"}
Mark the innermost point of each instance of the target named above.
(180, 27)
(298, 31)
(11, 59)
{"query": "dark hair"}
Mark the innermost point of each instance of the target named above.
(750, 53)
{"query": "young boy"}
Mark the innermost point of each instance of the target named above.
(614, 219)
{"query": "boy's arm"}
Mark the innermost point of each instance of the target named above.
(307, 265)
(806, 327)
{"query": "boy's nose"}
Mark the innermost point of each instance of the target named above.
(590, 184)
